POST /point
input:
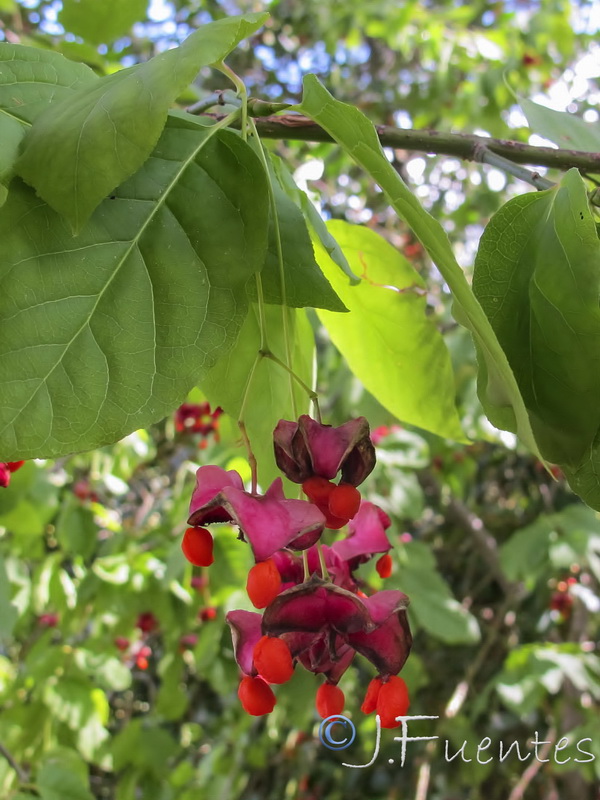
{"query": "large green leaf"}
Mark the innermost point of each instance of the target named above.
(305, 284)
(270, 392)
(30, 79)
(80, 149)
(537, 275)
(107, 332)
(350, 128)
(101, 21)
(388, 341)
(567, 130)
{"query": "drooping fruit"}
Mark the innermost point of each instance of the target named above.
(370, 702)
(263, 584)
(344, 501)
(384, 566)
(393, 701)
(330, 700)
(256, 696)
(273, 660)
(197, 546)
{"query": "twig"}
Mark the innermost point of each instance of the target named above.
(486, 156)
(532, 770)
(21, 774)
(458, 513)
(462, 145)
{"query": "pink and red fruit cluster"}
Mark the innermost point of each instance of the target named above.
(198, 418)
(316, 612)
(6, 470)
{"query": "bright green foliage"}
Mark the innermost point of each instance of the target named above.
(356, 134)
(105, 333)
(387, 340)
(553, 541)
(157, 300)
(99, 21)
(81, 149)
(537, 277)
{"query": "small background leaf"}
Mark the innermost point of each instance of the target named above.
(101, 21)
(431, 601)
(566, 130)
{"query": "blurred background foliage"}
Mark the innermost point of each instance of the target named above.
(117, 677)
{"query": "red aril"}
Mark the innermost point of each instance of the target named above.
(370, 702)
(344, 501)
(256, 696)
(13, 466)
(197, 546)
(384, 566)
(392, 701)
(330, 700)
(318, 489)
(331, 521)
(263, 584)
(273, 660)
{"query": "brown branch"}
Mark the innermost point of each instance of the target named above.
(21, 774)
(457, 512)
(518, 793)
(462, 145)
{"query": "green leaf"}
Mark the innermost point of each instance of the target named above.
(532, 670)
(54, 782)
(101, 21)
(305, 284)
(107, 332)
(146, 746)
(551, 542)
(30, 79)
(566, 130)
(350, 128)
(313, 219)
(80, 149)
(537, 276)
(431, 601)
(388, 341)
(75, 528)
(269, 394)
